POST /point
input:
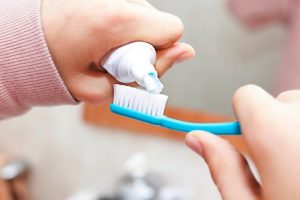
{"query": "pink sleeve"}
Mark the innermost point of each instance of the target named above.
(28, 76)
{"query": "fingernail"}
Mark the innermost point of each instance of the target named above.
(183, 57)
(193, 141)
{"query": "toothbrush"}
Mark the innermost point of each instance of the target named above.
(149, 108)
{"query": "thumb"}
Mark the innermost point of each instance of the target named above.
(229, 169)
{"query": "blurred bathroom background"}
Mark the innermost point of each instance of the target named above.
(67, 155)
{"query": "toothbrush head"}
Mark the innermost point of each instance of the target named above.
(139, 100)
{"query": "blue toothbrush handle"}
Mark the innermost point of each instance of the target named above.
(225, 128)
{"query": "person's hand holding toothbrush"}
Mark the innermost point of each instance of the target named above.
(270, 129)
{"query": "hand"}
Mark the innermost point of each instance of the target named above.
(270, 129)
(257, 13)
(80, 32)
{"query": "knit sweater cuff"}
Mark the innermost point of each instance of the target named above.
(28, 76)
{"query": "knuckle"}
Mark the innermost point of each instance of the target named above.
(104, 15)
(118, 15)
(177, 29)
(173, 32)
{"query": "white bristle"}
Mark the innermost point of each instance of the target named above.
(139, 100)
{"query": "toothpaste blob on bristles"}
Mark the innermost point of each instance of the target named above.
(140, 100)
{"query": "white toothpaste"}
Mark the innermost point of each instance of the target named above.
(134, 62)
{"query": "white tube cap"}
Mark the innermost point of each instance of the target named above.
(134, 62)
